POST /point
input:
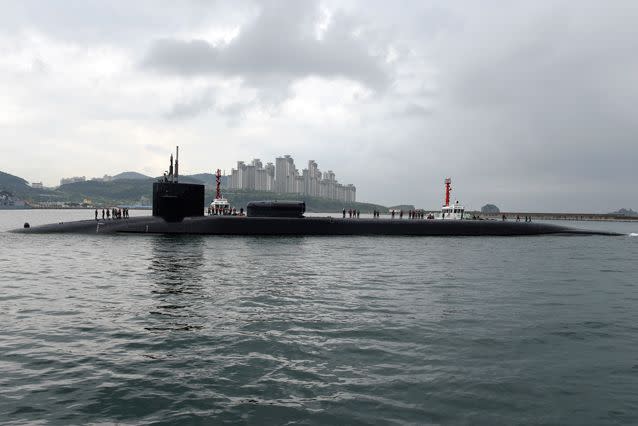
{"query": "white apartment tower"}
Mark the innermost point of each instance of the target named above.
(283, 177)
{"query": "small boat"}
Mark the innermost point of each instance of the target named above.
(450, 212)
(220, 205)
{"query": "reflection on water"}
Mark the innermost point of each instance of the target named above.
(176, 269)
(321, 330)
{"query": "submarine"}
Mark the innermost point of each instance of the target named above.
(178, 208)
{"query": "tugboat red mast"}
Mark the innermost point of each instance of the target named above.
(218, 182)
(220, 205)
(448, 189)
(448, 211)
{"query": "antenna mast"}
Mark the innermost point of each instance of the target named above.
(448, 189)
(177, 165)
(218, 181)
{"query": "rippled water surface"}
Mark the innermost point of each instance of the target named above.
(317, 330)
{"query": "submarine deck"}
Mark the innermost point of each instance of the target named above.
(243, 225)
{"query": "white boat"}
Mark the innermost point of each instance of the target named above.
(453, 212)
(450, 212)
(220, 205)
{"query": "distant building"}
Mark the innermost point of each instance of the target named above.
(284, 177)
(285, 174)
(270, 176)
(37, 185)
(65, 181)
(105, 178)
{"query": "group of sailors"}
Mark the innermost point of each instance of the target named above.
(116, 213)
(412, 214)
(416, 214)
(225, 211)
(352, 213)
(518, 218)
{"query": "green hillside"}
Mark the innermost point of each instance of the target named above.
(122, 191)
(130, 175)
(21, 189)
(131, 191)
(207, 179)
(14, 184)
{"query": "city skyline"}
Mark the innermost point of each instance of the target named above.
(284, 177)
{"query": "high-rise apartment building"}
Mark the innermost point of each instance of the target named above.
(283, 177)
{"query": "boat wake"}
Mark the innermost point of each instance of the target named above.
(633, 234)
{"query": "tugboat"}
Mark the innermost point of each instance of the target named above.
(450, 212)
(220, 205)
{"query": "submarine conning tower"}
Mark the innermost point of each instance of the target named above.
(173, 201)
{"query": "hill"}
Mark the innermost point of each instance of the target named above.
(122, 191)
(14, 185)
(21, 189)
(130, 176)
(7, 181)
(207, 179)
(490, 209)
(131, 190)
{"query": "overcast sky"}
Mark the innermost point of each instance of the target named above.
(530, 105)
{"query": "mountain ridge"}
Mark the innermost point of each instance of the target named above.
(131, 175)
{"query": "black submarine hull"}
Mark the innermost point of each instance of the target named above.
(243, 225)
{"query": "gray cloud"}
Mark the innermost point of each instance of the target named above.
(551, 105)
(526, 104)
(193, 106)
(280, 44)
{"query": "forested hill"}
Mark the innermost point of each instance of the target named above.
(138, 189)
(8, 181)
(130, 175)
(18, 186)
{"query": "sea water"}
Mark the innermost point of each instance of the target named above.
(317, 330)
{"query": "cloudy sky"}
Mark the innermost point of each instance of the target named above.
(530, 105)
